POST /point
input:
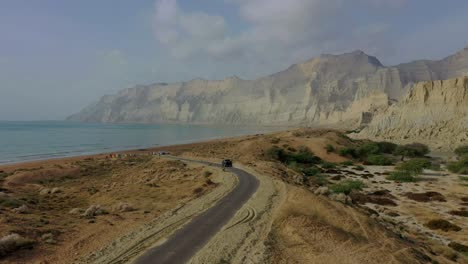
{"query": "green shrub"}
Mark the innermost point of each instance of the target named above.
(414, 166)
(295, 166)
(318, 179)
(387, 147)
(347, 186)
(462, 151)
(328, 165)
(463, 178)
(276, 153)
(367, 149)
(10, 202)
(348, 152)
(460, 166)
(379, 160)
(311, 171)
(401, 176)
(3, 175)
(412, 150)
(359, 168)
(329, 148)
(420, 150)
(304, 157)
(347, 163)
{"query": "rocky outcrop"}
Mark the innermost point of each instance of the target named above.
(327, 90)
(434, 112)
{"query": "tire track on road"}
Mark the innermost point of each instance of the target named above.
(185, 242)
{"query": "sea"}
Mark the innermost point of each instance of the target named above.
(38, 140)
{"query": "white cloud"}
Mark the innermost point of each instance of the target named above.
(183, 33)
(277, 33)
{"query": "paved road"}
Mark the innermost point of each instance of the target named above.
(185, 242)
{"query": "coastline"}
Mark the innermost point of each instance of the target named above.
(44, 140)
(28, 164)
(98, 154)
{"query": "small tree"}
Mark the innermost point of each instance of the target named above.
(411, 150)
(414, 166)
(367, 149)
(387, 147)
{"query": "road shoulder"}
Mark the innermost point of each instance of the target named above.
(130, 246)
(242, 239)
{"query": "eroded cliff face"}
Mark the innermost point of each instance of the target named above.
(435, 112)
(334, 90)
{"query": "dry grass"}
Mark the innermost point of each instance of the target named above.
(86, 203)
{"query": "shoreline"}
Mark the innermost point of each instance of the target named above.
(30, 149)
(140, 150)
(143, 150)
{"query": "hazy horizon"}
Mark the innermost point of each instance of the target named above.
(56, 57)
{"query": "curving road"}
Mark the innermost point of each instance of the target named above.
(185, 242)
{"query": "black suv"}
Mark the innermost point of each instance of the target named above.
(227, 163)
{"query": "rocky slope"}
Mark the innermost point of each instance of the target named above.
(435, 112)
(330, 89)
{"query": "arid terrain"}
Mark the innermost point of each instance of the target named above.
(303, 211)
(67, 209)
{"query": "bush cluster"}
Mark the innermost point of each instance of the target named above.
(401, 176)
(302, 161)
(347, 163)
(303, 156)
(462, 151)
(328, 165)
(412, 150)
(378, 160)
(329, 148)
(409, 170)
(347, 186)
(414, 166)
(460, 166)
(376, 153)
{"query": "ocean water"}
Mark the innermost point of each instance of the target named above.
(25, 141)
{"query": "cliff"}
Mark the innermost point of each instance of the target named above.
(434, 112)
(328, 90)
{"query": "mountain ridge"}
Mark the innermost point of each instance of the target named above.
(326, 90)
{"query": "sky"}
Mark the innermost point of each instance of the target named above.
(58, 56)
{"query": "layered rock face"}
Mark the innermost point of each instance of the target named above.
(434, 112)
(328, 90)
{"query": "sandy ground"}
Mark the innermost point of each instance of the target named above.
(284, 222)
(409, 217)
(132, 191)
(311, 229)
(131, 245)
